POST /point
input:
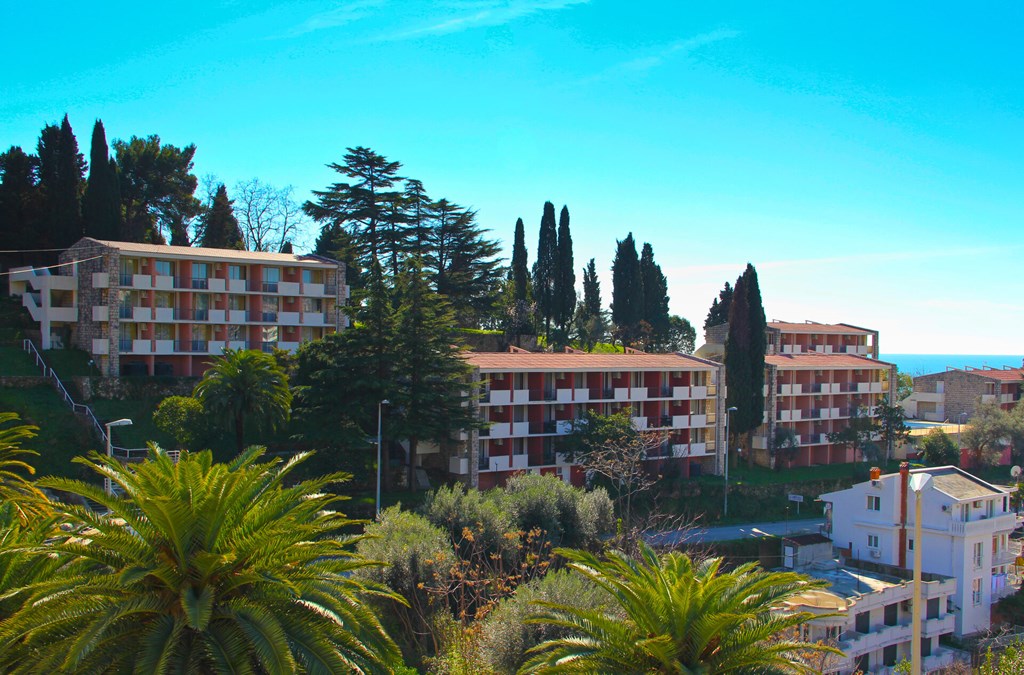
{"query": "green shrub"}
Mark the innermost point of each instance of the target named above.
(461, 512)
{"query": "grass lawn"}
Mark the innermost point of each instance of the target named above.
(15, 361)
(759, 475)
(69, 362)
(60, 437)
(140, 412)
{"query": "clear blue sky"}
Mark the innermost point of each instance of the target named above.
(867, 158)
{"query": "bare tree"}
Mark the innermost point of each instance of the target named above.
(268, 216)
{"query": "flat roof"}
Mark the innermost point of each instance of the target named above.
(959, 484)
(502, 361)
(818, 361)
(192, 252)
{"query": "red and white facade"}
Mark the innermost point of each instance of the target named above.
(529, 401)
(164, 310)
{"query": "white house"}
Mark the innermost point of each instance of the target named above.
(866, 610)
(966, 524)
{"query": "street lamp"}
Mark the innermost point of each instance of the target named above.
(380, 410)
(728, 413)
(107, 485)
(960, 419)
(918, 482)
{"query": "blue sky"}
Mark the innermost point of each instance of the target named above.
(866, 157)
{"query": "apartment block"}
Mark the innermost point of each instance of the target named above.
(530, 400)
(817, 378)
(164, 310)
(815, 394)
(787, 337)
(866, 610)
(966, 524)
(954, 395)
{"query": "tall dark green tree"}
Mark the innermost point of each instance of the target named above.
(462, 263)
(336, 243)
(758, 346)
(681, 335)
(157, 190)
(430, 402)
(61, 173)
(738, 365)
(20, 201)
(362, 205)
(627, 291)
(654, 311)
(719, 312)
(565, 278)
(519, 272)
(591, 325)
(220, 227)
(418, 214)
(545, 268)
(101, 203)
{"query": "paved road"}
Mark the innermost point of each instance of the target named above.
(730, 532)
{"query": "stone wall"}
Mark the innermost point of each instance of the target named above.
(962, 390)
(23, 381)
(716, 334)
(86, 330)
(136, 388)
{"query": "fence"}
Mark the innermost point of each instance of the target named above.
(81, 408)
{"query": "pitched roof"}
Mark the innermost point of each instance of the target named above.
(959, 484)
(1003, 375)
(192, 252)
(818, 361)
(570, 362)
(812, 327)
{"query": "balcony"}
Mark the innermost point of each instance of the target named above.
(289, 288)
(458, 465)
(681, 393)
(163, 346)
(289, 318)
(581, 395)
(100, 280)
(193, 346)
(520, 396)
(126, 280)
(499, 397)
(101, 313)
(640, 423)
(268, 346)
(237, 286)
(315, 290)
(163, 283)
(269, 286)
(218, 285)
(163, 314)
(314, 319)
(125, 346)
(638, 393)
(698, 392)
(100, 346)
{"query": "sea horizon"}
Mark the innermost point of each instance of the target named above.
(923, 364)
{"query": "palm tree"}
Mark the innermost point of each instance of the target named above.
(245, 383)
(200, 568)
(15, 489)
(677, 615)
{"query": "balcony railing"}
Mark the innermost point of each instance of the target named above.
(124, 346)
(191, 314)
(124, 312)
(194, 346)
(268, 346)
(126, 279)
(269, 287)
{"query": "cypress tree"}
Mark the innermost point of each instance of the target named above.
(655, 298)
(758, 326)
(67, 199)
(20, 202)
(627, 290)
(719, 312)
(286, 247)
(738, 364)
(519, 272)
(101, 203)
(565, 277)
(545, 269)
(590, 319)
(220, 227)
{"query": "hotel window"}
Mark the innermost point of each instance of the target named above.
(202, 306)
(163, 331)
(978, 554)
(312, 277)
(236, 302)
(163, 268)
(236, 333)
(200, 274)
(271, 277)
(163, 299)
(236, 272)
(976, 591)
(874, 503)
(910, 545)
(312, 305)
(872, 541)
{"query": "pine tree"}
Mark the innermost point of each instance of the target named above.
(157, 189)
(418, 217)
(738, 363)
(564, 289)
(463, 263)
(361, 206)
(545, 269)
(654, 312)
(220, 229)
(627, 291)
(286, 247)
(719, 312)
(20, 201)
(336, 243)
(101, 203)
(591, 325)
(430, 400)
(61, 169)
(519, 272)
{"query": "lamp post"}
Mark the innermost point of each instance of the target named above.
(918, 482)
(107, 485)
(380, 410)
(728, 413)
(959, 420)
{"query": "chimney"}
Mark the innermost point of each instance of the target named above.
(904, 484)
(876, 473)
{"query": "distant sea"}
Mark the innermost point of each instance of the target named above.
(922, 364)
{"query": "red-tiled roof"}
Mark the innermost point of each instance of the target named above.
(818, 361)
(1003, 375)
(821, 328)
(497, 361)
